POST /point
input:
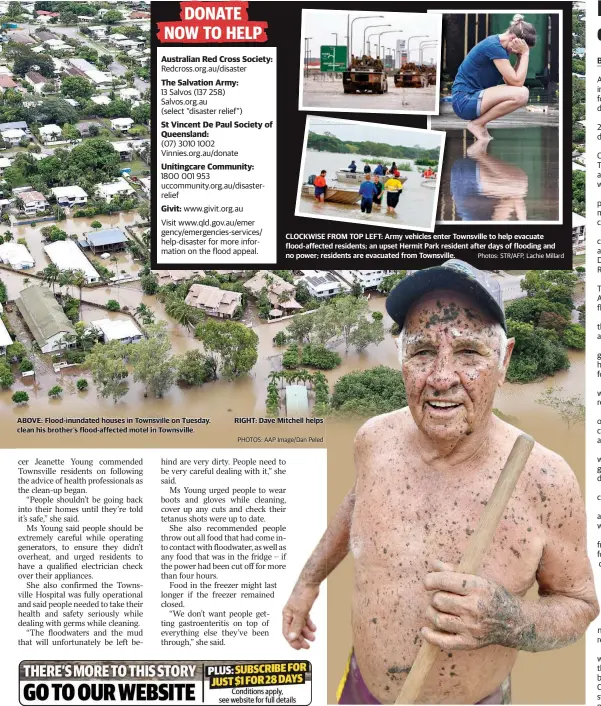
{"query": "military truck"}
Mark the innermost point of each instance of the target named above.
(415, 76)
(365, 78)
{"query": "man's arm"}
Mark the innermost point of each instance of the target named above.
(469, 612)
(297, 626)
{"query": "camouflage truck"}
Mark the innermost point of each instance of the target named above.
(365, 77)
(415, 76)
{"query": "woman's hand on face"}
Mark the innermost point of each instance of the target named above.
(519, 46)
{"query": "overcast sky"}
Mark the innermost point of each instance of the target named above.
(321, 25)
(346, 130)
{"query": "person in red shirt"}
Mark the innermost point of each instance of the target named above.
(320, 186)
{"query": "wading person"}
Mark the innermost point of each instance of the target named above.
(321, 186)
(379, 188)
(368, 191)
(393, 188)
(477, 95)
(424, 475)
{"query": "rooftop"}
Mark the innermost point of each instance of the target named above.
(68, 192)
(31, 197)
(214, 299)
(110, 236)
(42, 313)
(117, 329)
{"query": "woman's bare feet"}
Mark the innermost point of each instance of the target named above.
(479, 132)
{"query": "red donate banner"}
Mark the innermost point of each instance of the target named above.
(212, 23)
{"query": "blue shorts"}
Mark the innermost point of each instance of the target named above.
(467, 106)
(319, 191)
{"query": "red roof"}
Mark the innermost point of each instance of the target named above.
(6, 82)
(45, 12)
(139, 15)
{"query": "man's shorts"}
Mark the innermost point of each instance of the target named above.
(468, 106)
(320, 191)
(353, 690)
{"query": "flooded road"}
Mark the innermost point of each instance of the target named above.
(516, 178)
(319, 93)
(416, 204)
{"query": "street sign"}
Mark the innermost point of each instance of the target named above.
(333, 58)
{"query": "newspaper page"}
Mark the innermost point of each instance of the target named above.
(238, 473)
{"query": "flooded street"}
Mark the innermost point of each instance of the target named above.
(78, 226)
(328, 93)
(416, 204)
(223, 400)
(515, 179)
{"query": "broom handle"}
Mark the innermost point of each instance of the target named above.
(470, 562)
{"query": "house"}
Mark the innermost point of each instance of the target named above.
(177, 276)
(35, 79)
(67, 196)
(21, 38)
(124, 330)
(116, 38)
(84, 128)
(123, 124)
(368, 279)
(44, 318)
(18, 125)
(280, 293)
(33, 202)
(6, 82)
(16, 255)
(125, 150)
(100, 100)
(5, 71)
(99, 31)
(59, 66)
(71, 101)
(323, 284)
(129, 94)
(214, 301)
(51, 133)
(100, 78)
(4, 163)
(5, 339)
(107, 240)
(81, 66)
(12, 137)
(44, 35)
(66, 255)
(578, 229)
(119, 187)
(145, 182)
(58, 45)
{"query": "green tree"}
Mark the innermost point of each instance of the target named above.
(6, 377)
(537, 353)
(20, 397)
(184, 314)
(113, 305)
(291, 358)
(16, 351)
(574, 336)
(390, 281)
(149, 283)
(369, 392)
(317, 356)
(152, 362)
(233, 346)
(301, 327)
(82, 384)
(570, 408)
(112, 17)
(108, 367)
(76, 87)
(195, 368)
(55, 391)
(553, 285)
(79, 280)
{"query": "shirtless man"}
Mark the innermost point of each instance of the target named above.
(423, 477)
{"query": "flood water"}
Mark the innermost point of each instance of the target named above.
(80, 226)
(223, 400)
(416, 204)
(516, 178)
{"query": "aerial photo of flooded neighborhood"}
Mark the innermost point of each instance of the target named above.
(87, 327)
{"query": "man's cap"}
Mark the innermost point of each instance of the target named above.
(453, 274)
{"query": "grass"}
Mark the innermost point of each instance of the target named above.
(137, 166)
(579, 260)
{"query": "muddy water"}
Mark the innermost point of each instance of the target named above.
(415, 208)
(223, 400)
(515, 178)
(78, 226)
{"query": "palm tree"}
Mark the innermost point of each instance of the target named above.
(183, 313)
(51, 275)
(78, 280)
(8, 236)
(65, 279)
(145, 313)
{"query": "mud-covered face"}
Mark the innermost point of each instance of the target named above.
(451, 364)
